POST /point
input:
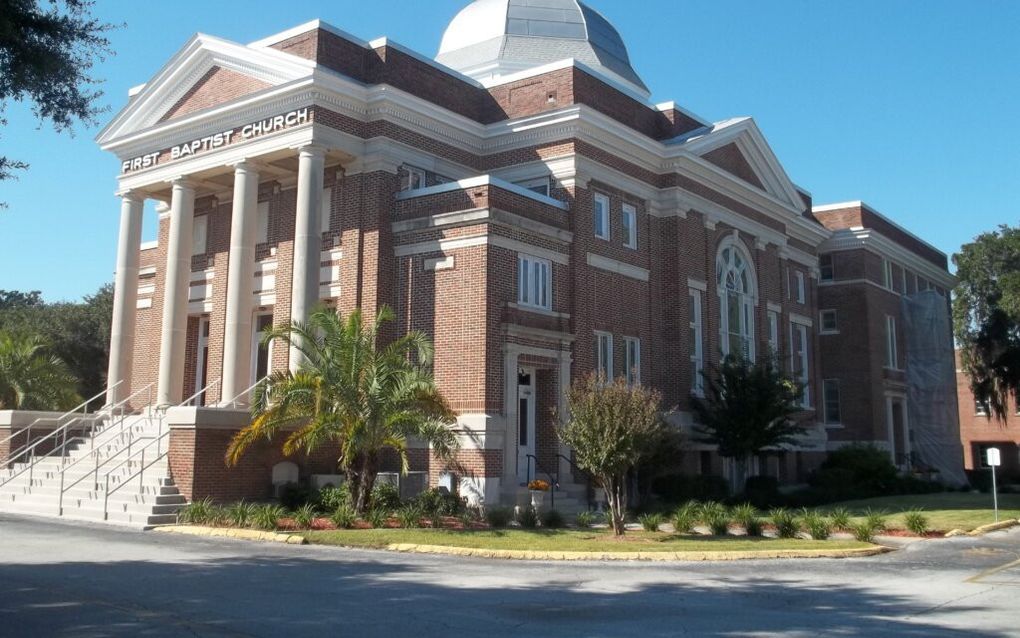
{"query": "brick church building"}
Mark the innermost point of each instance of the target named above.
(521, 199)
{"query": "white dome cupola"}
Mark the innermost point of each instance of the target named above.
(492, 38)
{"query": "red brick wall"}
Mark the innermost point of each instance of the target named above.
(217, 86)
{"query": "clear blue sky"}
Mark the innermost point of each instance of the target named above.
(909, 105)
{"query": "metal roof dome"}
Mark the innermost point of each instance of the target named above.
(492, 38)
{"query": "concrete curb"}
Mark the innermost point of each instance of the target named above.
(521, 554)
(226, 532)
(994, 527)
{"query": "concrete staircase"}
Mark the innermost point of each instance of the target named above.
(570, 498)
(130, 453)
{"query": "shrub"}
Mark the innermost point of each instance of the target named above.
(651, 522)
(498, 517)
(385, 497)
(680, 488)
(219, 516)
(585, 519)
(294, 495)
(330, 498)
(840, 518)
(916, 522)
(552, 519)
(862, 468)
(240, 514)
(527, 518)
(376, 517)
(863, 532)
(711, 510)
(914, 485)
(409, 516)
(817, 526)
(304, 516)
(195, 513)
(746, 516)
(685, 518)
(439, 502)
(344, 516)
(762, 491)
(267, 517)
(785, 522)
(876, 520)
(719, 524)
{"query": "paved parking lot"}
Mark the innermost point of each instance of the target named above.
(66, 579)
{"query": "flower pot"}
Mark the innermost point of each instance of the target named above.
(537, 496)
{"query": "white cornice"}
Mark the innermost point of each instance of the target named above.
(859, 204)
(871, 240)
(618, 267)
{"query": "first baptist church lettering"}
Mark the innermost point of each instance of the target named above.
(248, 131)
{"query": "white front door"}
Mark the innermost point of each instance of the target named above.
(525, 423)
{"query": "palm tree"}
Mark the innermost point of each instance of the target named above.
(353, 393)
(31, 378)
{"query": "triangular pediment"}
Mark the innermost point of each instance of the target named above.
(738, 147)
(207, 72)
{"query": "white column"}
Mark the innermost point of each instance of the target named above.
(125, 299)
(307, 239)
(175, 294)
(240, 281)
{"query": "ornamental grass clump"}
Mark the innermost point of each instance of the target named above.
(344, 517)
(785, 522)
(719, 523)
(840, 518)
(196, 513)
(685, 518)
(409, 516)
(817, 526)
(585, 519)
(304, 516)
(240, 514)
(267, 517)
(746, 516)
(863, 532)
(651, 522)
(498, 517)
(916, 522)
(876, 520)
(376, 517)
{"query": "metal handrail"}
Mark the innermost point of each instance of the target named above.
(554, 481)
(587, 475)
(29, 445)
(95, 471)
(233, 402)
(200, 392)
(30, 467)
(140, 474)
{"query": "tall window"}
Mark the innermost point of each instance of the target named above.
(199, 235)
(891, 358)
(801, 360)
(534, 283)
(801, 288)
(325, 210)
(773, 317)
(697, 344)
(827, 273)
(629, 226)
(632, 349)
(887, 278)
(830, 390)
(737, 288)
(262, 227)
(604, 355)
(601, 213)
(412, 178)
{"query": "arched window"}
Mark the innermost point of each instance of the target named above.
(738, 290)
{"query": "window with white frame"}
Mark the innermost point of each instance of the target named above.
(629, 226)
(830, 322)
(891, 354)
(539, 185)
(325, 210)
(697, 344)
(980, 407)
(632, 353)
(887, 278)
(534, 282)
(830, 391)
(826, 270)
(604, 355)
(801, 360)
(601, 216)
(737, 289)
(412, 178)
(903, 277)
(200, 235)
(262, 226)
(801, 288)
(773, 318)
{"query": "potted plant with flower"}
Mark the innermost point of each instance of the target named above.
(538, 488)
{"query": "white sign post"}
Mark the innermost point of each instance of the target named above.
(994, 461)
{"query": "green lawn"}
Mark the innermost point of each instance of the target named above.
(945, 511)
(563, 540)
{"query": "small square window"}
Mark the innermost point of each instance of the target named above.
(412, 178)
(829, 321)
(540, 185)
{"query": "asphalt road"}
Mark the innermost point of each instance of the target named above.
(65, 579)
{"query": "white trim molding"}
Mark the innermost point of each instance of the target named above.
(618, 267)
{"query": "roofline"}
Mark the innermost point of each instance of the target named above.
(825, 208)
